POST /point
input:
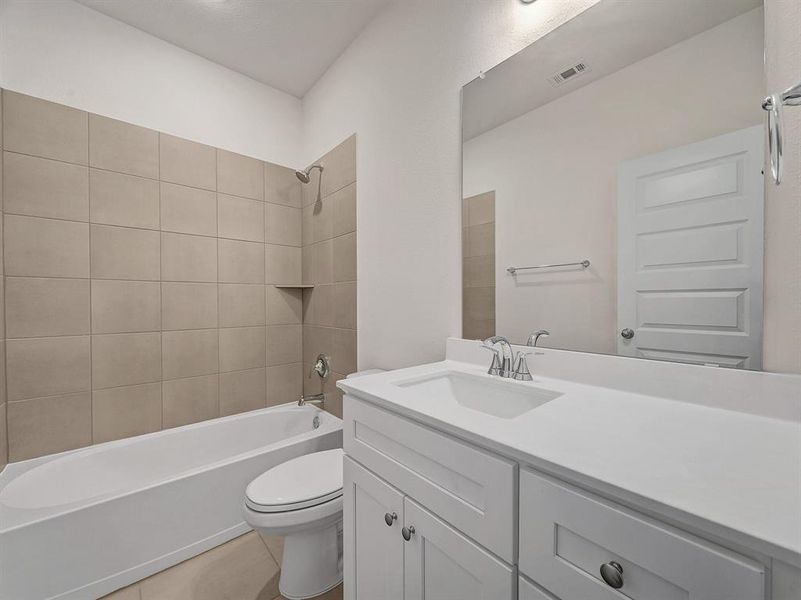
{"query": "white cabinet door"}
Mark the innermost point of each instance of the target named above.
(690, 253)
(373, 549)
(442, 564)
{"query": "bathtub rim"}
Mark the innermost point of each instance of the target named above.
(12, 471)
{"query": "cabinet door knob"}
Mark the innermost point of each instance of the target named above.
(407, 532)
(627, 333)
(389, 518)
(612, 574)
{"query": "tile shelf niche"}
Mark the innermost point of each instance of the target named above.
(294, 286)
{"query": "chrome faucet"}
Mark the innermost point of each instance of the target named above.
(535, 337)
(502, 359)
(314, 399)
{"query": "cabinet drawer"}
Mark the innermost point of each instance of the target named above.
(528, 591)
(469, 488)
(567, 534)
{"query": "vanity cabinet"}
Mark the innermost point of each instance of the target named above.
(397, 550)
(569, 537)
(430, 516)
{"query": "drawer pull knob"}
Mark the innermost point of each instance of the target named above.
(612, 574)
(407, 532)
(389, 518)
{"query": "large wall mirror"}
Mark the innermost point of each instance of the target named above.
(613, 189)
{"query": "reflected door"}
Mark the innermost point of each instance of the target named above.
(690, 253)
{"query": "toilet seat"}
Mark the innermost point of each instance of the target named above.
(303, 482)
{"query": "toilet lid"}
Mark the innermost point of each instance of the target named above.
(301, 482)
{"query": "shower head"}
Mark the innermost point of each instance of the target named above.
(304, 177)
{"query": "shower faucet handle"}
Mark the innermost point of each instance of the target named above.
(321, 366)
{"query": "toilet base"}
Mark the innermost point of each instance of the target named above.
(312, 562)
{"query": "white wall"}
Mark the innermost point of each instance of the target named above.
(783, 203)
(398, 87)
(62, 51)
(554, 172)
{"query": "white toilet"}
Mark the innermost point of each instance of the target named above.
(301, 499)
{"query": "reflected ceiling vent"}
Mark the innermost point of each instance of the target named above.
(569, 74)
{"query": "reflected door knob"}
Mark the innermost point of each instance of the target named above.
(389, 518)
(407, 532)
(627, 333)
(612, 574)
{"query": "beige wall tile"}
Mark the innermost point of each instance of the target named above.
(344, 217)
(47, 366)
(480, 240)
(316, 340)
(307, 265)
(242, 348)
(117, 199)
(345, 258)
(45, 188)
(283, 225)
(241, 391)
(322, 219)
(241, 262)
(340, 166)
(125, 359)
(284, 306)
(188, 401)
(187, 163)
(306, 225)
(242, 569)
(479, 303)
(481, 209)
(123, 253)
(240, 175)
(284, 344)
(188, 305)
(240, 218)
(321, 305)
(282, 186)
(188, 210)
(241, 304)
(322, 266)
(189, 353)
(284, 383)
(125, 411)
(479, 271)
(343, 352)
(283, 264)
(45, 248)
(46, 307)
(46, 425)
(125, 306)
(188, 258)
(42, 128)
(344, 305)
(122, 147)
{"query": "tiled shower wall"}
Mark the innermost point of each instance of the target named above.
(329, 264)
(478, 266)
(140, 280)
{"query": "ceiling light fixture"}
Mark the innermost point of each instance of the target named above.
(528, 1)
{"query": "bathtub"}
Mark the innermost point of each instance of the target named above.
(83, 523)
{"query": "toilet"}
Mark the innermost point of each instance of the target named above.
(301, 500)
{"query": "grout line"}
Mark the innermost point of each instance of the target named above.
(161, 293)
(217, 225)
(91, 323)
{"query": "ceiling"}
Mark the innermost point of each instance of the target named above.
(606, 37)
(286, 44)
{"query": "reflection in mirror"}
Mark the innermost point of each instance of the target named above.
(628, 144)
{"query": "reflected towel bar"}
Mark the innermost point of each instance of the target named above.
(583, 264)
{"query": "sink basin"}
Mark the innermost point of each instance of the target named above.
(496, 397)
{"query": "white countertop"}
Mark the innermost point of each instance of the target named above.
(729, 474)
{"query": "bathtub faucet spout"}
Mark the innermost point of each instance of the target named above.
(315, 399)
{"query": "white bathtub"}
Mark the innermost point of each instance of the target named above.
(83, 523)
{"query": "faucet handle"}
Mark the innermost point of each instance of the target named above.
(495, 367)
(521, 372)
